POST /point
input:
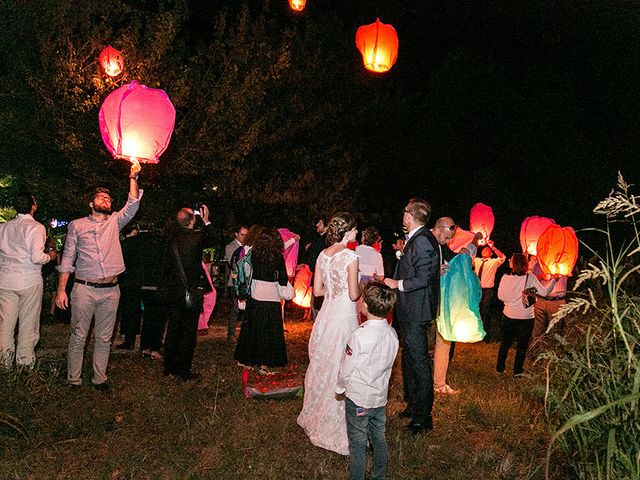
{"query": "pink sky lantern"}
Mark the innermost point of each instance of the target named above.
(530, 231)
(557, 250)
(136, 122)
(481, 220)
(461, 238)
(111, 61)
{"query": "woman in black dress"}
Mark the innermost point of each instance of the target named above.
(261, 341)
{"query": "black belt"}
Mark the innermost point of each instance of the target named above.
(96, 285)
(551, 299)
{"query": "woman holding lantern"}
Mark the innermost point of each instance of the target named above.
(517, 320)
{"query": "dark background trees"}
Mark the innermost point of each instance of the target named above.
(530, 108)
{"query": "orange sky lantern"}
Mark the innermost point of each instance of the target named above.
(557, 250)
(461, 238)
(111, 61)
(297, 5)
(302, 287)
(530, 231)
(378, 44)
(481, 220)
(136, 122)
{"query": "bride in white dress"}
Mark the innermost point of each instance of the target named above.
(336, 277)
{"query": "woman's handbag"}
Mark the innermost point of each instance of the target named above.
(529, 294)
(193, 296)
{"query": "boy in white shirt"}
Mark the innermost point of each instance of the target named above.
(363, 381)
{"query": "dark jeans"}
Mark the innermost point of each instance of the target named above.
(234, 313)
(180, 345)
(518, 330)
(417, 373)
(363, 423)
(153, 321)
(485, 312)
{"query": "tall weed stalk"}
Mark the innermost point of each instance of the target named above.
(593, 385)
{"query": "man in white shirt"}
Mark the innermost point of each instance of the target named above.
(486, 267)
(240, 236)
(21, 258)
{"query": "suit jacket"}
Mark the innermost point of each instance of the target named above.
(419, 270)
(189, 244)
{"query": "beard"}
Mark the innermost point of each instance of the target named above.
(105, 210)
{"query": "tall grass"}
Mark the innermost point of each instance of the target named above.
(593, 382)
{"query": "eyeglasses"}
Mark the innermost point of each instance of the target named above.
(407, 211)
(103, 197)
(451, 228)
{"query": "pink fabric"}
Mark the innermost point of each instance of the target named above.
(208, 302)
(461, 239)
(291, 253)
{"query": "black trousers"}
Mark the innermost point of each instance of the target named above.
(417, 373)
(485, 312)
(130, 312)
(153, 321)
(518, 330)
(180, 345)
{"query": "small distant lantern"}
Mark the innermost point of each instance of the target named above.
(557, 250)
(530, 231)
(297, 5)
(111, 61)
(136, 122)
(378, 44)
(481, 220)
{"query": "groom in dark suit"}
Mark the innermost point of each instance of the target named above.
(417, 279)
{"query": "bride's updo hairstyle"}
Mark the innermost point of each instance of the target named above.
(339, 224)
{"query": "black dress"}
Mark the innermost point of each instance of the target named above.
(261, 340)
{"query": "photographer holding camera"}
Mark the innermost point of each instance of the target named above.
(183, 273)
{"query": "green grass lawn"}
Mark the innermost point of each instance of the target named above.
(151, 427)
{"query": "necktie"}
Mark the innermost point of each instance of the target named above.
(481, 268)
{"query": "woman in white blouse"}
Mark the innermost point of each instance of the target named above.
(370, 258)
(517, 320)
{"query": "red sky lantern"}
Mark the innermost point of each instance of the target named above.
(111, 61)
(557, 250)
(481, 220)
(297, 5)
(136, 122)
(378, 44)
(530, 231)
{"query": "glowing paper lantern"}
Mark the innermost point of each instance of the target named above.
(530, 231)
(111, 61)
(302, 293)
(461, 238)
(291, 250)
(557, 250)
(297, 5)
(481, 220)
(378, 44)
(136, 122)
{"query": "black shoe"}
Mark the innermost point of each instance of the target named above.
(416, 428)
(405, 413)
(102, 387)
(124, 346)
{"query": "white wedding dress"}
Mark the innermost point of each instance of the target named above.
(322, 416)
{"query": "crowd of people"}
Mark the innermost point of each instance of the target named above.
(361, 314)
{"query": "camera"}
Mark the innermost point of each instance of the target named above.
(196, 208)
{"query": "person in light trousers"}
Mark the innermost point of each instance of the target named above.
(363, 381)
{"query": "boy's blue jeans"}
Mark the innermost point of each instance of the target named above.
(363, 423)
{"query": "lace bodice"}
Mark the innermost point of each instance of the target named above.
(334, 272)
